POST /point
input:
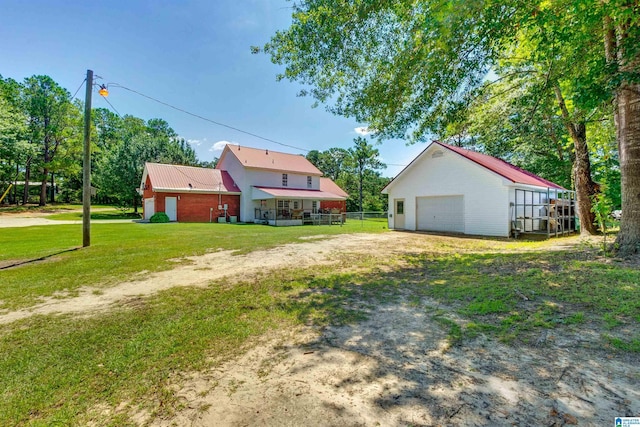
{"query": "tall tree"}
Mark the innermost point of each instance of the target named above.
(620, 22)
(363, 158)
(405, 67)
(12, 133)
(331, 162)
(52, 122)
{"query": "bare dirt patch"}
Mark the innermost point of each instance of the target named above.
(397, 369)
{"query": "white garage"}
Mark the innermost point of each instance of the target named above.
(449, 189)
(440, 213)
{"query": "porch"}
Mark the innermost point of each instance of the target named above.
(284, 217)
(549, 213)
(291, 207)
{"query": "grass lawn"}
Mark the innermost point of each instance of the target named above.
(120, 250)
(63, 370)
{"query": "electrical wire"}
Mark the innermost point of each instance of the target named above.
(207, 119)
(112, 107)
(77, 90)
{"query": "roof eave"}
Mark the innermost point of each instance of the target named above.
(193, 190)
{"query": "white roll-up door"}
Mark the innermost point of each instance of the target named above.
(441, 213)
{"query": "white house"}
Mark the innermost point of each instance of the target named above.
(279, 188)
(450, 189)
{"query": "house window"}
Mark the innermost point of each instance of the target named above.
(285, 179)
(309, 182)
(314, 206)
(400, 207)
(295, 204)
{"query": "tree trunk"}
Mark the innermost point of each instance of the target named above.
(15, 185)
(585, 187)
(43, 188)
(27, 177)
(360, 179)
(52, 198)
(627, 119)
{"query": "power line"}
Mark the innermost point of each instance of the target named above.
(112, 107)
(207, 119)
(74, 95)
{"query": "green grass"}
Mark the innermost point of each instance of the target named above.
(516, 295)
(56, 370)
(64, 370)
(118, 251)
(59, 370)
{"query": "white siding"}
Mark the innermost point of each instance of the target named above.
(237, 172)
(245, 179)
(486, 195)
(266, 178)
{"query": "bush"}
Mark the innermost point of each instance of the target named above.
(159, 217)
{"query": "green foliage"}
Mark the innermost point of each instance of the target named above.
(520, 79)
(41, 130)
(136, 142)
(54, 127)
(159, 217)
(356, 170)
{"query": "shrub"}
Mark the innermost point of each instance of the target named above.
(159, 217)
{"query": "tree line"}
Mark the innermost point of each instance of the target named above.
(553, 86)
(41, 140)
(357, 171)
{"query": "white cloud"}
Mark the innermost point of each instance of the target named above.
(196, 142)
(219, 146)
(193, 142)
(364, 131)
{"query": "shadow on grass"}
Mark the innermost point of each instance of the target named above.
(42, 258)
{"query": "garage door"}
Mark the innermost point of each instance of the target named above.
(441, 213)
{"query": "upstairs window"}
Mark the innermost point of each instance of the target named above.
(285, 180)
(309, 182)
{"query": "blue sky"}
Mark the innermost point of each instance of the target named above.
(193, 54)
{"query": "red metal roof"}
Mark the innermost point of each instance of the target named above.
(326, 184)
(502, 168)
(188, 178)
(301, 193)
(271, 160)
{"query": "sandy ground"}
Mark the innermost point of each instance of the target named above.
(394, 369)
(10, 221)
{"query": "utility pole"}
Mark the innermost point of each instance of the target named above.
(86, 164)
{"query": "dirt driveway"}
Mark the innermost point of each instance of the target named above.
(393, 369)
